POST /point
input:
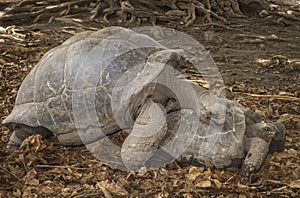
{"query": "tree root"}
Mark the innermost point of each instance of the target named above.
(28, 11)
(135, 12)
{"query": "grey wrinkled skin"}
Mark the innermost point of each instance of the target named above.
(228, 135)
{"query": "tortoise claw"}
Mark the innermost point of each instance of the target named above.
(247, 169)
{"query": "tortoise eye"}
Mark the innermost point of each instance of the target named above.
(267, 129)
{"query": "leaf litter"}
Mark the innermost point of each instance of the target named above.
(41, 168)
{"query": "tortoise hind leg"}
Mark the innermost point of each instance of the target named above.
(21, 132)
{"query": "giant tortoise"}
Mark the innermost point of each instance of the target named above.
(99, 83)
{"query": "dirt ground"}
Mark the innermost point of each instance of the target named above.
(260, 63)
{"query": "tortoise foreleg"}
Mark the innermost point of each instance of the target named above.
(148, 131)
(258, 150)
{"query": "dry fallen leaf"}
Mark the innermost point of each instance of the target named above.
(217, 183)
(30, 175)
(47, 190)
(295, 184)
(192, 175)
(66, 191)
(106, 193)
(28, 193)
(32, 182)
(194, 172)
(242, 196)
(242, 186)
(112, 187)
(187, 195)
(31, 143)
(203, 184)
(207, 174)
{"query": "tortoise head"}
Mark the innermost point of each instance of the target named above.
(270, 132)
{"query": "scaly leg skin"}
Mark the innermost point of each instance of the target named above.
(148, 131)
(21, 132)
(258, 150)
(261, 139)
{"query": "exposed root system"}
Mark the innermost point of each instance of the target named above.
(136, 12)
